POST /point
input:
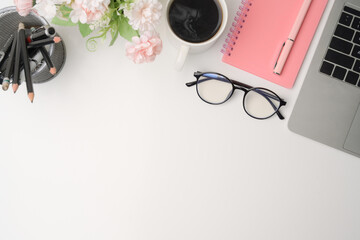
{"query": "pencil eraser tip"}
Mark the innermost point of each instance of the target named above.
(53, 71)
(57, 39)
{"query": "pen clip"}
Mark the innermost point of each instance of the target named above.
(277, 59)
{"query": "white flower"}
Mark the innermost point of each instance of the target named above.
(144, 14)
(103, 22)
(88, 11)
(45, 8)
(78, 14)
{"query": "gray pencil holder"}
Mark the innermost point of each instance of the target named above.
(9, 23)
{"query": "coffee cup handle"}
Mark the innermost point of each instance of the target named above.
(183, 52)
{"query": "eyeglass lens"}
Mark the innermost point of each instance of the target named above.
(261, 103)
(214, 89)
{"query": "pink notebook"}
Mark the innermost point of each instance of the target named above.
(259, 31)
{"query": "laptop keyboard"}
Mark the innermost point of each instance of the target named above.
(342, 60)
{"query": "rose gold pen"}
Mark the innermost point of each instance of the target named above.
(286, 48)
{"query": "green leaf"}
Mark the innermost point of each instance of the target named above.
(125, 29)
(65, 11)
(57, 21)
(84, 29)
(114, 37)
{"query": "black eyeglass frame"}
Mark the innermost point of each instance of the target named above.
(240, 86)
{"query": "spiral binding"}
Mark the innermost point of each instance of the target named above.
(236, 26)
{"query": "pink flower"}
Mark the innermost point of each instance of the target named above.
(23, 7)
(144, 48)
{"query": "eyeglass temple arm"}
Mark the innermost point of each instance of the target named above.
(190, 84)
(239, 84)
(263, 93)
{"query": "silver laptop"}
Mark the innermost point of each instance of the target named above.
(328, 106)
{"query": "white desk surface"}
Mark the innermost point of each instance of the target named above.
(114, 150)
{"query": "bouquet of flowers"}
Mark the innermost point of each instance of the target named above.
(134, 20)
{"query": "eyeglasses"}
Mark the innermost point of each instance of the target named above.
(215, 88)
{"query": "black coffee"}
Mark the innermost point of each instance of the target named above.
(195, 20)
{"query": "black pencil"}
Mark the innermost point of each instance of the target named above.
(31, 53)
(9, 66)
(48, 61)
(25, 59)
(43, 42)
(15, 82)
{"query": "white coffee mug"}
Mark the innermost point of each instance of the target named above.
(186, 47)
